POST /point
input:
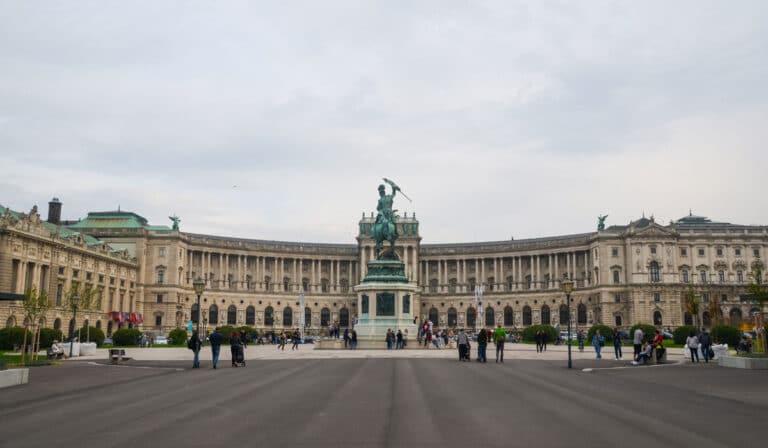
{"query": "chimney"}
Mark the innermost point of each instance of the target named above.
(54, 211)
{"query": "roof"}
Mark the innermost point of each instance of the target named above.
(63, 231)
(115, 220)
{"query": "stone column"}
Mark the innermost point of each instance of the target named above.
(557, 269)
(568, 265)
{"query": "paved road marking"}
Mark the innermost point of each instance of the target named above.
(591, 369)
(91, 363)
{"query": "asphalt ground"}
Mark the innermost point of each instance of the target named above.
(385, 403)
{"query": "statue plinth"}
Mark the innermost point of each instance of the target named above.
(386, 271)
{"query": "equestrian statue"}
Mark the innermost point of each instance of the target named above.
(385, 227)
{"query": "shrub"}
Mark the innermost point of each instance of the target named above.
(92, 334)
(605, 331)
(725, 334)
(177, 336)
(126, 336)
(48, 335)
(247, 331)
(648, 331)
(530, 332)
(681, 333)
(13, 337)
(226, 333)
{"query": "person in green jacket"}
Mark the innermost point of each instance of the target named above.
(499, 336)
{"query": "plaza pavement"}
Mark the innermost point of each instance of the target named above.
(419, 399)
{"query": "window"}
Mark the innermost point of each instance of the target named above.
(194, 313)
(687, 318)
(406, 304)
(657, 297)
(213, 315)
(545, 315)
(581, 316)
(75, 273)
(61, 270)
(111, 280)
(344, 317)
(160, 251)
(756, 253)
(737, 252)
(724, 298)
(159, 298)
(701, 251)
(490, 321)
(509, 316)
(705, 298)
(617, 320)
(471, 317)
(616, 278)
(308, 316)
(122, 283)
(158, 320)
(654, 271)
(101, 278)
(250, 316)
(57, 324)
(432, 315)
(653, 250)
(683, 252)
(563, 314)
(740, 276)
(527, 315)
(59, 291)
(617, 297)
(721, 276)
(614, 251)
(88, 276)
(685, 276)
(657, 318)
(232, 315)
(287, 317)
(160, 277)
(719, 252)
(325, 317)
(269, 316)
(703, 276)
(452, 317)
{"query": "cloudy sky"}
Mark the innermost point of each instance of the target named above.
(277, 120)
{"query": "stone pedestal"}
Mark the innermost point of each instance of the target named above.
(385, 300)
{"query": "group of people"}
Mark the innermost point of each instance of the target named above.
(541, 337)
(397, 340)
(350, 338)
(238, 341)
(497, 336)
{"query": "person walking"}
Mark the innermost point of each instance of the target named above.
(462, 341)
(482, 344)
(346, 337)
(537, 339)
(597, 343)
(353, 340)
(235, 345)
(399, 340)
(194, 344)
(617, 344)
(705, 342)
(692, 342)
(215, 340)
(499, 336)
(283, 339)
(390, 339)
(544, 340)
(637, 342)
(296, 338)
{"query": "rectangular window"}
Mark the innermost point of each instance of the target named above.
(705, 298)
(59, 291)
(131, 285)
(685, 276)
(101, 278)
(703, 276)
(158, 321)
(657, 297)
(61, 270)
(719, 252)
(721, 276)
(653, 250)
(75, 273)
(701, 252)
(88, 276)
(616, 298)
(724, 298)
(737, 252)
(614, 251)
(159, 298)
(160, 276)
(111, 280)
(683, 252)
(160, 251)
(756, 253)
(740, 276)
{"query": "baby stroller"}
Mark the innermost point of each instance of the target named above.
(238, 356)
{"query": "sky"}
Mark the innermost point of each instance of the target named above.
(278, 120)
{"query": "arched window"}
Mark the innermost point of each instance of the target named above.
(109, 328)
(452, 317)
(545, 315)
(471, 317)
(617, 320)
(98, 325)
(687, 318)
(527, 319)
(616, 278)
(581, 316)
(232, 315)
(490, 319)
(57, 324)
(564, 314)
(307, 316)
(325, 317)
(735, 316)
(344, 317)
(269, 316)
(706, 319)
(195, 313)
(433, 315)
(654, 271)
(213, 315)
(657, 318)
(509, 317)
(250, 316)
(287, 317)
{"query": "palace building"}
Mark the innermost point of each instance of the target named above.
(642, 272)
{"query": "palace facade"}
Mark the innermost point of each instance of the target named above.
(642, 272)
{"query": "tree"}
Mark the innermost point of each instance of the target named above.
(35, 305)
(87, 298)
(758, 292)
(692, 305)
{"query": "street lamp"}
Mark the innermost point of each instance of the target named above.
(199, 285)
(568, 289)
(74, 301)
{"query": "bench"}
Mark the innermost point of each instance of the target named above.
(117, 355)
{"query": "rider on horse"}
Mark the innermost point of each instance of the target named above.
(385, 228)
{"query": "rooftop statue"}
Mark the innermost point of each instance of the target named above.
(176, 221)
(601, 222)
(385, 226)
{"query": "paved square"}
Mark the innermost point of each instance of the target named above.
(384, 403)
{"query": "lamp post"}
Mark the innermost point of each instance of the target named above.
(199, 285)
(74, 301)
(568, 289)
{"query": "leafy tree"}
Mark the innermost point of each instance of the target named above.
(758, 291)
(126, 336)
(48, 335)
(94, 334)
(692, 305)
(177, 336)
(605, 331)
(36, 304)
(88, 296)
(648, 331)
(682, 332)
(726, 334)
(530, 332)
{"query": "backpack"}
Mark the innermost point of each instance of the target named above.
(191, 344)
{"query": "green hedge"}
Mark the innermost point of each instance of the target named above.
(681, 333)
(726, 334)
(530, 332)
(92, 334)
(605, 331)
(48, 335)
(177, 336)
(126, 336)
(13, 337)
(648, 331)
